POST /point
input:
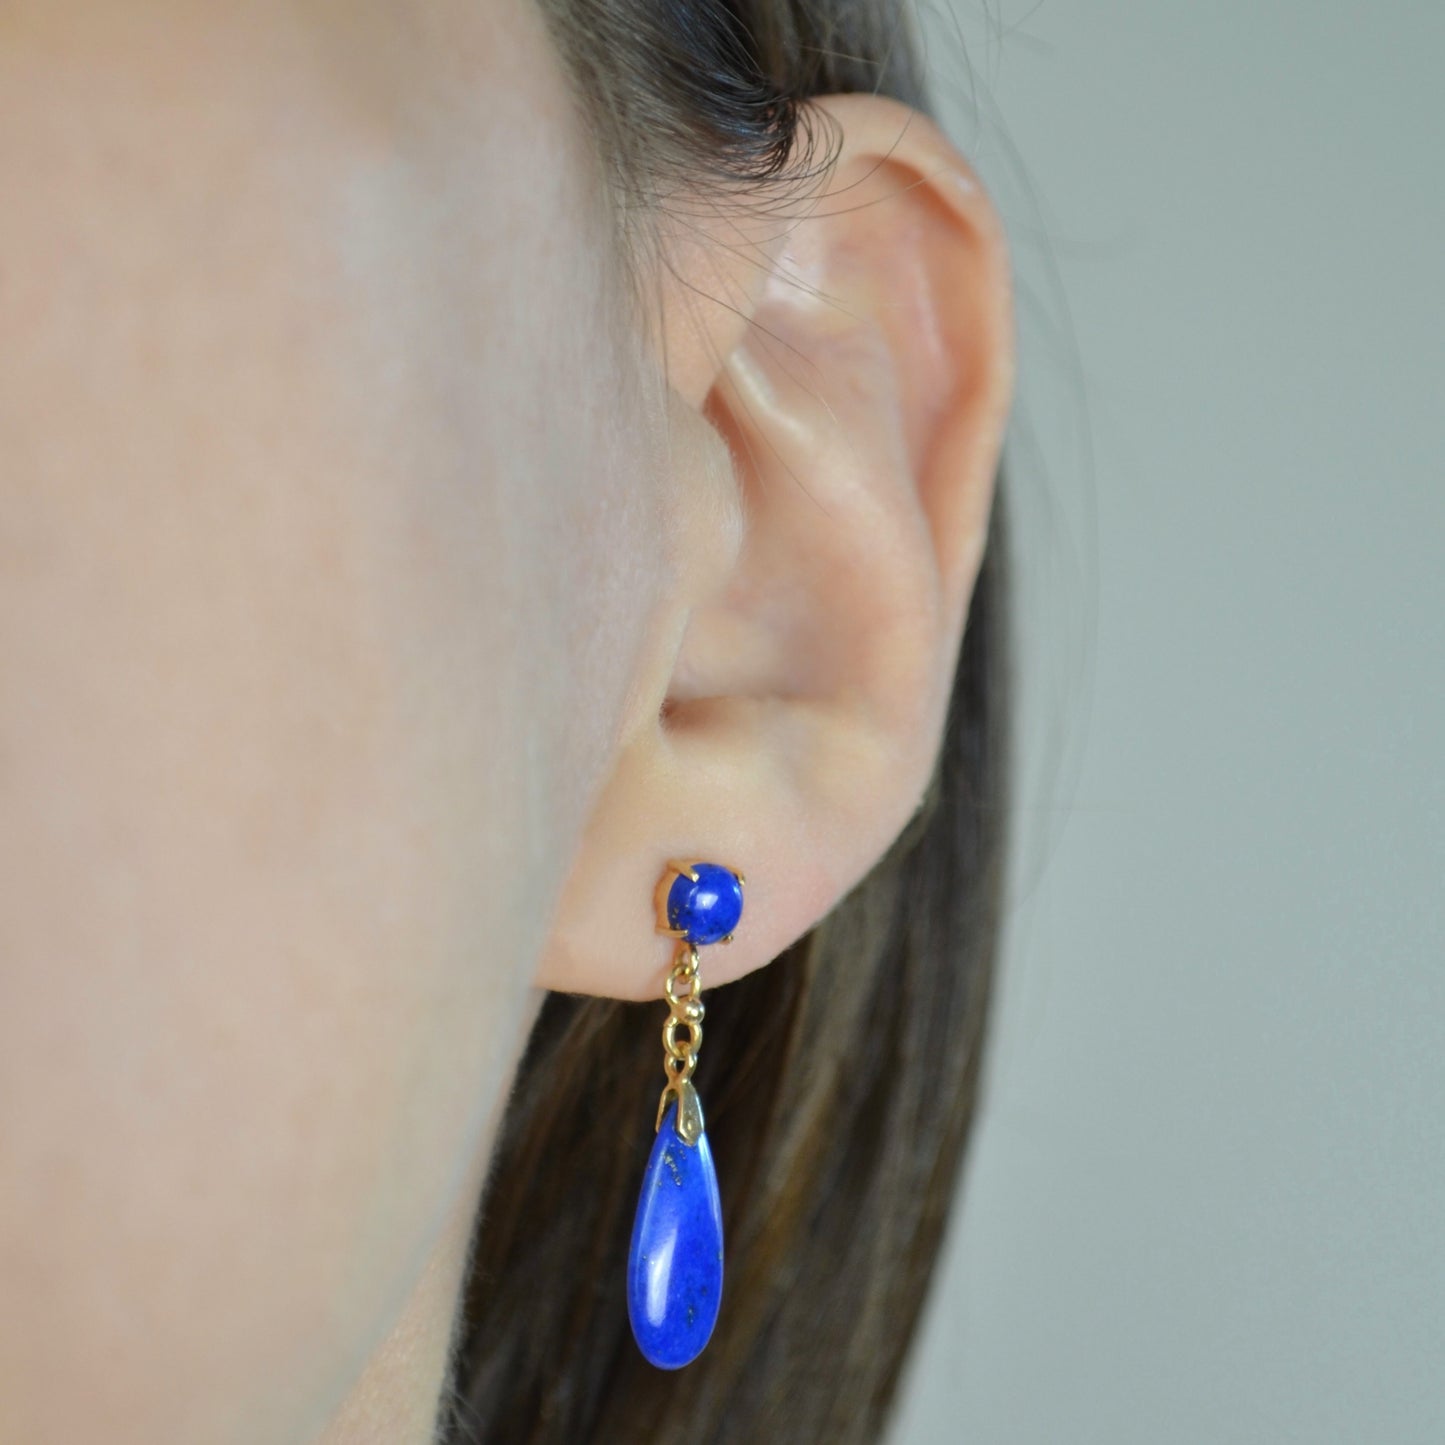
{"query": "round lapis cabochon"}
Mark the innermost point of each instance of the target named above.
(708, 909)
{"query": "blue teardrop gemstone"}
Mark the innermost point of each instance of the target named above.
(674, 1271)
(708, 909)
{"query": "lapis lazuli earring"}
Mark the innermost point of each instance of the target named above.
(675, 1266)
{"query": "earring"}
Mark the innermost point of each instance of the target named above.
(675, 1265)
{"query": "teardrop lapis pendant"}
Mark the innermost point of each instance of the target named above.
(675, 1266)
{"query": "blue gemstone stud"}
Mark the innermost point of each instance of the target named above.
(674, 1268)
(704, 902)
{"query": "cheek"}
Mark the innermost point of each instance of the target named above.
(317, 624)
(516, 551)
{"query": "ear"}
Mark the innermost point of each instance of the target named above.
(839, 385)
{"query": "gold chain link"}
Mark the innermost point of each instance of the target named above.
(685, 1011)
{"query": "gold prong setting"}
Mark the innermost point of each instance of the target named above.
(699, 901)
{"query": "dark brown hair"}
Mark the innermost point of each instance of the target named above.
(841, 1080)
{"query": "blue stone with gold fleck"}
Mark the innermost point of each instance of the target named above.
(675, 1266)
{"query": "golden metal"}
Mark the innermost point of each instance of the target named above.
(689, 1111)
(689, 1046)
(685, 1013)
(680, 866)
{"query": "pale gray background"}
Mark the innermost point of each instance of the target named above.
(1207, 1199)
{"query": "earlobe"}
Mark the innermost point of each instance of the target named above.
(853, 414)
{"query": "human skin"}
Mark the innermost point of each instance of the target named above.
(380, 607)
